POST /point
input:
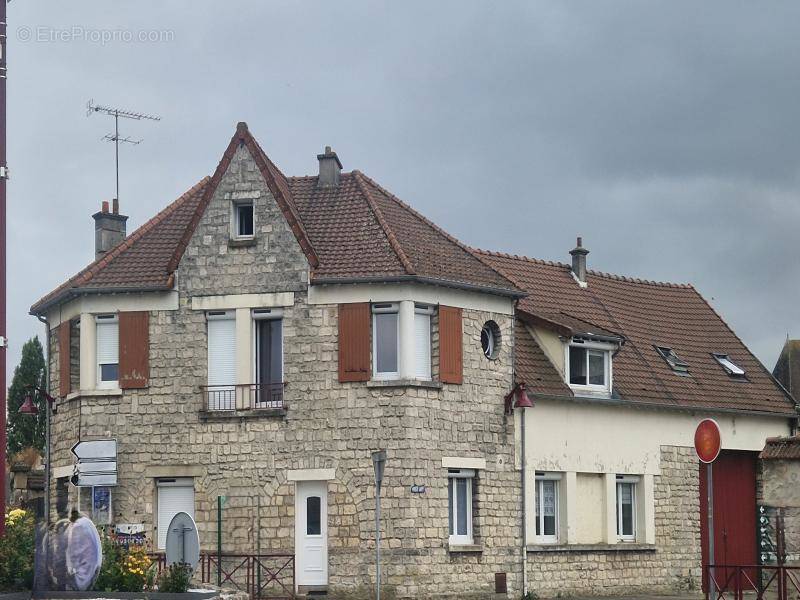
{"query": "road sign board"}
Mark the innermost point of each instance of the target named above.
(95, 449)
(97, 466)
(94, 479)
(707, 440)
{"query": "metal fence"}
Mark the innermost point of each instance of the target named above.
(261, 576)
(765, 582)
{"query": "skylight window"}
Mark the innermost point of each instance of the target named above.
(673, 360)
(731, 368)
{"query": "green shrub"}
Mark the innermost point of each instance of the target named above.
(124, 570)
(175, 578)
(17, 551)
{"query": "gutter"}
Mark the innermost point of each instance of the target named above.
(659, 406)
(37, 310)
(426, 280)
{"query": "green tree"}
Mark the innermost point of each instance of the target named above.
(26, 431)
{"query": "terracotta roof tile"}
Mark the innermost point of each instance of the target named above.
(781, 448)
(648, 313)
(354, 231)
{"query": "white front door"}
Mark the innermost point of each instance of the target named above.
(311, 533)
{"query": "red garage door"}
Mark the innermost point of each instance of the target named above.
(734, 512)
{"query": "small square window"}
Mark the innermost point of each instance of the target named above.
(731, 368)
(588, 366)
(243, 219)
(673, 360)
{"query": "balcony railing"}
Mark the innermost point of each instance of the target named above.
(244, 396)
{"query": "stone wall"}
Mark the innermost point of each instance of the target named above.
(327, 425)
(672, 566)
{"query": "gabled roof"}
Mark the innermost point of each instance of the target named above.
(645, 314)
(356, 231)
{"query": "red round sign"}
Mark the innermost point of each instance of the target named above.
(707, 440)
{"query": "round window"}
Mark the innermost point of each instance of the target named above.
(490, 339)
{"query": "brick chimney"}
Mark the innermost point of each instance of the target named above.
(329, 168)
(579, 262)
(109, 228)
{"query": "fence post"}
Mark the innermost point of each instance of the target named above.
(219, 540)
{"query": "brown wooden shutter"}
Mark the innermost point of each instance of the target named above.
(64, 373)
(451, 349)
(354, 342)
(134, 349)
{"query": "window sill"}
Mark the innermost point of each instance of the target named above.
(242, 242)
(395, 383)
(582, 391)
(619, 547)
(95, 392)
(464, 548)
(255, 413)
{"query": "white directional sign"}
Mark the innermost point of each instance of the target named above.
(97, 463)
(96, 449)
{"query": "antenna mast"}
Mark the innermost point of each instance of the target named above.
(115, 137)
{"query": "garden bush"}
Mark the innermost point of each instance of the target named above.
(124, 569)
(17, 551)
(175, 578)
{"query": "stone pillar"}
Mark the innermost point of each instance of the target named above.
(610, 526)
(244, 361)
(568, 506)
(646, 525)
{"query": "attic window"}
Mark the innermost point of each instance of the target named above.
(243, 220)
(673, 360)
(731, 368)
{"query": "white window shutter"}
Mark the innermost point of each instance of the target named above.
(172, 499)
(107, 343)
(422, 346)
(222, 352)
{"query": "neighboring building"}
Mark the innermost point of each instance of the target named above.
(787, 369)
(780, 461)
(263, 334)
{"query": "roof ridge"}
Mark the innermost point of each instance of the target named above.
(393, 242)
(595, 272)
(88, 272)
(436, 228)
(541, 261)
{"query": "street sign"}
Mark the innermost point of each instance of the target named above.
(94, 479)
(91, 467)
(707, 440)
(95, 449)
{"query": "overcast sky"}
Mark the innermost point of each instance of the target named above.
(666, 134)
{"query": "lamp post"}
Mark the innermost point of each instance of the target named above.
(28, 407)
(378, 463)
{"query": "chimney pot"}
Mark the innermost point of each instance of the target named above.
(109, 228)
(115, 206)
(330, 167)
(579, 261)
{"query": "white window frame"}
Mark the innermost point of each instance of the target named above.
(452, 476)
(541, 477)
(378, 309)
(633, 481)
(590, 389)
(102, 321)
(422, 311)
(235, 219)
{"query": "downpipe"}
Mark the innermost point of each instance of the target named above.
(524, 506)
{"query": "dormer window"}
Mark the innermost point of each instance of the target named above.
(589, 366)
(731, 368)
(243, 226)
(673, 360)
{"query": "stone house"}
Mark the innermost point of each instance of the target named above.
(263, 334)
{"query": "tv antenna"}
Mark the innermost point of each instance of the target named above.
(117, 113)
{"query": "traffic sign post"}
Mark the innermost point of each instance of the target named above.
(708, 444)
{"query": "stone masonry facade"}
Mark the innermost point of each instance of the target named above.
(327, 424)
